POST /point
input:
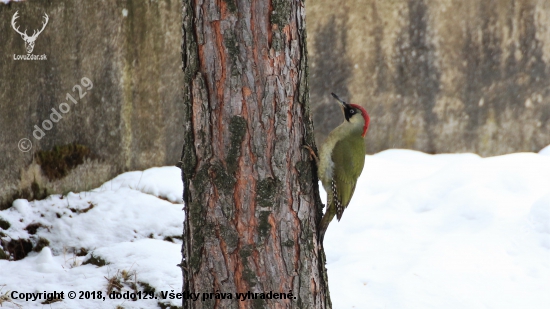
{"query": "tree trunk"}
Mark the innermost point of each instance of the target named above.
(251, 195)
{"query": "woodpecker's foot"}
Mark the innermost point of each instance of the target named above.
(312, 154)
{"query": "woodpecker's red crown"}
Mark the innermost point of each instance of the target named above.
(359, 108)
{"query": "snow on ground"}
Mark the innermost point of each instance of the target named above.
(545, 151)
(133, 223)
(444, 231)
(422, 231)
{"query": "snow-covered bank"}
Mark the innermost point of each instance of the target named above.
(133, 223)
(444, 231)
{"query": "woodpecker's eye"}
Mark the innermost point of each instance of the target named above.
(352, 111)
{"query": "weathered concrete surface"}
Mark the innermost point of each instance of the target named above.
(436, 75)
(131, 119)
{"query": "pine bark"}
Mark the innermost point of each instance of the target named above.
(251, 195)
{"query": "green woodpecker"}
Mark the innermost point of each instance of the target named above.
(341, 161)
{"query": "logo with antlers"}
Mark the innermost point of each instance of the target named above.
(29, 40)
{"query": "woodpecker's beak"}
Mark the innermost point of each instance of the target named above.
(343, 105)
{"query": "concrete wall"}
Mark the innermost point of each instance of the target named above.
(435, 75)
(130, 119)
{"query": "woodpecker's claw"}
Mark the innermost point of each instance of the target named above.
(312, 154)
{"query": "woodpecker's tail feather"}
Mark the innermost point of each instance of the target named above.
(325, 221)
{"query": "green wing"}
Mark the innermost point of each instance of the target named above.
(349, 158)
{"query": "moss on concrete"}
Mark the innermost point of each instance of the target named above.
(59, 161)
